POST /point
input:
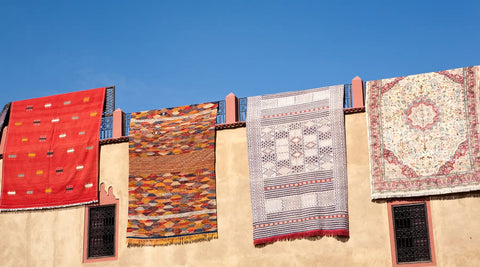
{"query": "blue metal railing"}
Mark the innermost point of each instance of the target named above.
(347, 99)
(348, 96)
(126, 123)
(106, 128)
(364, 92)
(242, 109)
(221, 113)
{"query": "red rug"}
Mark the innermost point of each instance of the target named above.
(51, 152)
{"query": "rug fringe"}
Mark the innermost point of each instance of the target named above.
(49, 207)
(178, 240)
(424, 193)
(294, 236)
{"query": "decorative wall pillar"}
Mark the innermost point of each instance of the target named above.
(357, 92)
(231, 108)
(118, 120)
(104, 199)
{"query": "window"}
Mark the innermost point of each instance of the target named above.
(101, 231)
(101, 228)
(411, 233)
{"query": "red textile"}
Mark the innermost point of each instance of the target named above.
(51, 151)
(313, 233)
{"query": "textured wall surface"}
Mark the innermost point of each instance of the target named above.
(55, 237)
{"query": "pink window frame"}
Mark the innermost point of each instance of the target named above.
(104, 199)
(392, 203)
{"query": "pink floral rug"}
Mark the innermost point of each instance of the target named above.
(423, 133)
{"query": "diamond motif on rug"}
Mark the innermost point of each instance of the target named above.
(298, 190)
(297, 154)
(172, 197)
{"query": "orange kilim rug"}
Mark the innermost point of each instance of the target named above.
(172, 197)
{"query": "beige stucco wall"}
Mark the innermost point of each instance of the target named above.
(455, 221)
(55, 237)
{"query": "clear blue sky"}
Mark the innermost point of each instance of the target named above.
(169, 53)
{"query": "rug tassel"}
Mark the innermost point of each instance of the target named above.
(178, 240)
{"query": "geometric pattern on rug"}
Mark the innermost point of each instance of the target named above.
(172, 195)
(297, 162)
(423, 134)
(51, 151)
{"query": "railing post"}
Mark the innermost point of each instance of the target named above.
(117, 124)
(357, 92)
(4, 138)
(231, 108)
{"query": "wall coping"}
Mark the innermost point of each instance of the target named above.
(223, 126)
(116, 140)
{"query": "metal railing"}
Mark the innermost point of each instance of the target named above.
(348, 95)
(242, 109)
(126, 123)
(106, 128)
(364, 92)
(347, 98)
(109, 103)
(221, 113)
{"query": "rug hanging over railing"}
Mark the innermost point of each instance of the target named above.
(51, 151)
(3, 117)
(172, 197)
(423, 133)
(297, 160)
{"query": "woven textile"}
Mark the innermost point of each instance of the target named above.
(172, 198)
(296, 152)
(3, 117)
(51, 152)
(423, 134)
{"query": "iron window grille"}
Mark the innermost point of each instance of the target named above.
(412, 239)
(101, 231)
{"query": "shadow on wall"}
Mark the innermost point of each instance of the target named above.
(451, 196)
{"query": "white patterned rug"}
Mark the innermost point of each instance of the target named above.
(296, 151)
